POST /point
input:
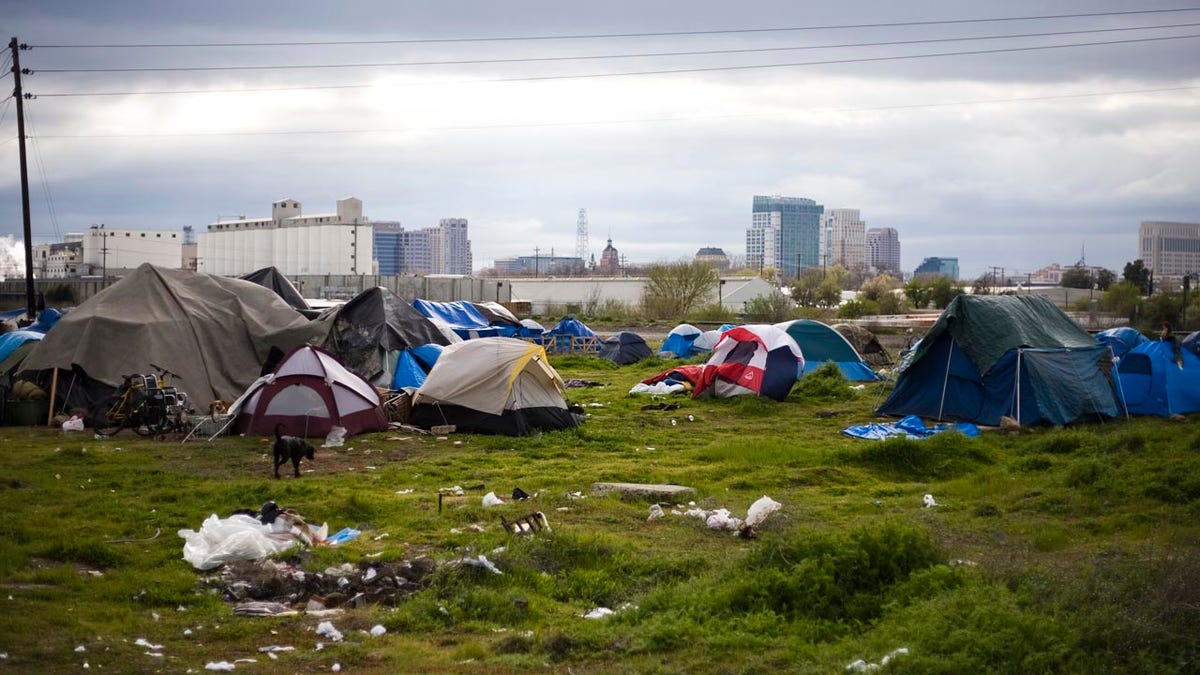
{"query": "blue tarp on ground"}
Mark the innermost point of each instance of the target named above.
(413, 364)
(908, 427)
(1156, 378)
(463, 318)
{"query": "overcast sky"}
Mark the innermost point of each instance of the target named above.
(1014, 159)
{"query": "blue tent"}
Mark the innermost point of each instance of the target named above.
(530, 329)
(1008, 355)
(1192, 343)
(821, 343)
(679, 343)
(562, 338)
(1121, 339)
(463, 317)
(1156, 378)
(413, 364)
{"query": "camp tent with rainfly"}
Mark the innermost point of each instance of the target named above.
(495, 386)
(821, 344)
(1158, 378)
(309, 393)
(993, 356)
(1121, 340)
(756, 359)
(680, 343)
(624, 347)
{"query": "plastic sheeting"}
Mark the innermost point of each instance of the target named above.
(908, 427)
(462, 317)
(1157, 379)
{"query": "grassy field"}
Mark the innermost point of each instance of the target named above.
(1050, 550)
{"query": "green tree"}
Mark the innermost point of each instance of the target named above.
(1105, 278)
(982, 285)
(861, 307)
(804, 289)
(881, 291)
(1077, 277)
(674, 289)
(943, 289)
(1137, 274)
(771, 308)
(918, 292)
(1121, 299)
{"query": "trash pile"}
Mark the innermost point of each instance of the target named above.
(723, 519)
(251, 535)
(281, 588)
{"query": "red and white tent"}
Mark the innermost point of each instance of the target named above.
(756, 359)
(310, 392)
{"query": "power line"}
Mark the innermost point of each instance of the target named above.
(596, 57)
(542, 125)
(535, 78)
(732, 31)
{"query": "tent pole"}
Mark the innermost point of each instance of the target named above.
(53, 392)
(1020, 352)
(945, 381)
(1120, 392)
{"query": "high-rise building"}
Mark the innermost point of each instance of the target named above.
(444, 249)
(842, 239)
(1170, 250)
(934, 266)
(785, 233)
(883, 250)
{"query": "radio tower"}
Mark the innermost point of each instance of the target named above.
(581, 239)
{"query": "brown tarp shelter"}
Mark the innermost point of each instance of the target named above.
(214, 332)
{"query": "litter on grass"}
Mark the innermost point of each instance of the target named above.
(490, 499)
(326, 629)
(862, 666)
(656, 512)
(378, 630)
(222, 666)
(929, 502)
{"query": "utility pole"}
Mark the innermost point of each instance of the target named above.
(30, 305)
(536, 251)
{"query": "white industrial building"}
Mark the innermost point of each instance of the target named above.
(322, 243)
(544, 294)
(107, 250)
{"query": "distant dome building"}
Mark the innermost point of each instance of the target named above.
(610, 261)
(713, 256)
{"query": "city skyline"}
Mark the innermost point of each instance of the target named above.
(969, 144)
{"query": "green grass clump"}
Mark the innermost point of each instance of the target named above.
(941, 456)
(823, 384)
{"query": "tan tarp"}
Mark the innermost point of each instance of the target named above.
(214, 332)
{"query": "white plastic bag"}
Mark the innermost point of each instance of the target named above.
(335, 438)
(238, 537)
(73, 424)
(760, 509)
(490, 499)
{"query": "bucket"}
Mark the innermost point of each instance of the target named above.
(26, 413)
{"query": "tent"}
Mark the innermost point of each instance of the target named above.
(1192, 343)
(272, 278)
(1157, 378)
(9, 342)
(707, 341)
(754, 359)
(624, 348)
(463, 318)
(499, 317)
(215, 332)
(493, 385)
(530, 329)
(680, 342)
(413, 365)
(367, 331)
(1004, 355)
(821, 344)
(865, 343)
(570, 335)
(1121, 340)
(310, 392)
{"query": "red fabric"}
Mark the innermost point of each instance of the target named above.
(690, 374)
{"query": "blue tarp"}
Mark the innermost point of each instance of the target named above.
(462, 317)
(910, 426)
(413, 364)
(1158, 379)
(572, 326)
(1121, 340)
(530, 329)
(1192, 342)
(35, 331)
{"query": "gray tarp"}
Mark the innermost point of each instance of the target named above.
(215, 332)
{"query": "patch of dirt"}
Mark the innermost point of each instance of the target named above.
(349, 585)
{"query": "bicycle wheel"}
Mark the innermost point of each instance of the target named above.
(101, 423)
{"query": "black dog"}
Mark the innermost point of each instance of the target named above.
(290, 448)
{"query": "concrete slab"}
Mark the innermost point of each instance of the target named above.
(645, 491)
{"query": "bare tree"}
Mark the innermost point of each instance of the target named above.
(674, 289)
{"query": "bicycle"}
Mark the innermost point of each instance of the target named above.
(145, 404)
